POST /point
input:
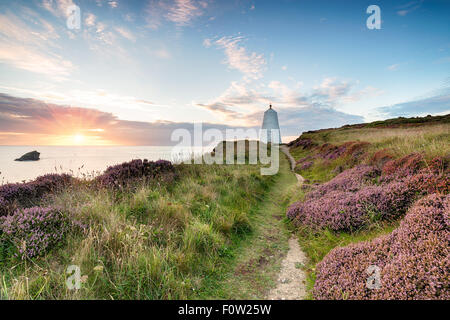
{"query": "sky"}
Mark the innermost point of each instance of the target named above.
(134, 71)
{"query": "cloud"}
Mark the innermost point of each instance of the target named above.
(180, 12)
(243, 103)
(293, 121)
(409, 7)
(154, 12)
(58, 7)
(30, 60)
(393, 67)
(126, 33)
(30, 121)
(90, 20)
(184, 11)
(207, 43)
(31, 49)
(252, 65)
(436, 104)
(113, 4)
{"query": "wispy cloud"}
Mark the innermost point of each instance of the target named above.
(58, 7)
(90, 19)
(30, 49)
(435, 104)
(30, 60)
(393, 67)
(252, 65)
(184, 11)
(113, 4)
(180, 12)
(243, 103)
(409, 7)
(125, 33)
(25, 121)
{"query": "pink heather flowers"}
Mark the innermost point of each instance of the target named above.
(119, 175)
(413, 259)
(25, 194)
(360, 195)
(34, 231)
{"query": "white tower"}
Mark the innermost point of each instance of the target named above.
(270, 122)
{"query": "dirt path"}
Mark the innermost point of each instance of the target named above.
(285, 150)
(291, 279)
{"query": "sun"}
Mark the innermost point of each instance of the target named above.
(78, 139)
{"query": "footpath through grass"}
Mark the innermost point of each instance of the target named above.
(255, 260)
(217, 231)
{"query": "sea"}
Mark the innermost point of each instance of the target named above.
(79, 161)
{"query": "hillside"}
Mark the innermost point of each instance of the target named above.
(374, 196)
(145, 230)
(377, 195)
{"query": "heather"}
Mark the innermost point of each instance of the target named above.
(359, 196)
(122, 174)
(365, 195)
(167, 229)
(413, 259)
(34, 231)
(15, 195)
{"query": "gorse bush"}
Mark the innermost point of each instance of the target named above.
(413, 259)
(121, 174)
(34, 231)
(13, 195)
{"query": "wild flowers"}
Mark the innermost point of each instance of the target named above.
(33, 231)
(25, 194)
(413, 259)
(121, 174)
(360, 195)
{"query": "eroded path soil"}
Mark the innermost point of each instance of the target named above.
(291, 283)
(285, 150)
(291, 280)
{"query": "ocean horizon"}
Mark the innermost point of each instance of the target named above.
(79, 161)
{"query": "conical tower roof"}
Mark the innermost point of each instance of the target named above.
(270, 122)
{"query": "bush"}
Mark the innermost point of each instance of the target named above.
(409, 164)
(121, 174)
(13, 195)
(413, 259)
(349, 180)
(35, 230)
(353, 200)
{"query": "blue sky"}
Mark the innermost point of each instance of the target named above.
(220, 62)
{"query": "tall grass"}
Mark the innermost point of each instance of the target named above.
(152, 241)
(432, 140)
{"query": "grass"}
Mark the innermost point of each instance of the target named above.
(154, 241)
(252, 270)
(430, 138)
(218, 231)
